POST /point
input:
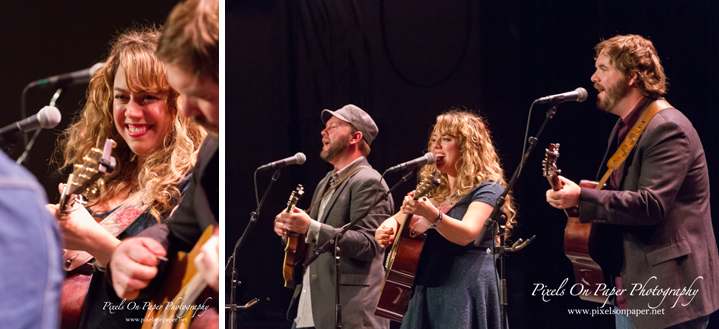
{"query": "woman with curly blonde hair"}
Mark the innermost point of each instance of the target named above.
(130, 101)
(456, 282)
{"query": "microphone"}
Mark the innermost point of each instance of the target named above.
(298, 158)
(48, 117)
(578, 95)
(77, 77)
(427, 158)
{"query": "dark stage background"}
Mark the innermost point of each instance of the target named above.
(44, 38)
(404, 62)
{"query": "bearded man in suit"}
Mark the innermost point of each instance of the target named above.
(655, 211)
(346, 138)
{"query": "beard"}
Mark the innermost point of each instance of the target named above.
(336, 148)
(613, 95)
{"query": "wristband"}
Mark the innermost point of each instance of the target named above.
(439, 219)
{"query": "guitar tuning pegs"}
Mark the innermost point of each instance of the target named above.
(87, 159)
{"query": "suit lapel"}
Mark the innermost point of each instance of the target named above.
(321, 188)
(340, 189)
(335, 194)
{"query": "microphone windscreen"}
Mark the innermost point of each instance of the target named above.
(300, 158)
(49, 117)
(430, 158)
(95, 67)
(581, 94)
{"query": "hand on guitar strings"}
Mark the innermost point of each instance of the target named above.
(134, 265)
(422, 207)
(567, 197)
(81, 232)
(298, 222)
(385, 233)
(207, 262)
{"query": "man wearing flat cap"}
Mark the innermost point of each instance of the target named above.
(342, 196)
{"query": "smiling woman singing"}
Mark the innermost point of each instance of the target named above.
(129, 100)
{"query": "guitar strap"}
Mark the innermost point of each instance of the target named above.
(333, 187)
(125, 214)
(115, 223)
(632, 137)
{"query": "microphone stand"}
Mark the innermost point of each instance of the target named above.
(232, 306)
(29, 145)
(10, 139)
(501, 251)
(333, 244)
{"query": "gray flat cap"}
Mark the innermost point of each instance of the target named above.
(357, 118)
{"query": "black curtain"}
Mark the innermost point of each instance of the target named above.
(405, 62)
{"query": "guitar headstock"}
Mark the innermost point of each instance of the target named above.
(95, 164)
(549, 164)
(427, 185)
(294, 197)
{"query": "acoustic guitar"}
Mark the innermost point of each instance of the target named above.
(79, 272)
(577, 235)
(295, 247)
(401, 264)
(184, 295)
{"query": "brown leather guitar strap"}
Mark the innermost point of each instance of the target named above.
(631, 139)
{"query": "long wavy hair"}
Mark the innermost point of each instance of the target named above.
(166, 167)
(479, 161)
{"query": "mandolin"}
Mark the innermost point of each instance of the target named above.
(577, 235)
(295, 248)
(401, 264)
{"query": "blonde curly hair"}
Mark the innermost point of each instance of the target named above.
(479, 161)
(161, 171)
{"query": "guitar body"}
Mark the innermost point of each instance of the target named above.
(72, 295)
(295, 254)
(578, 236)
(181, 274)
(401, 270)
(577, 240)
(402, 259)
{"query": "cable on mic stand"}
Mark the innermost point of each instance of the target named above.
(493, 219)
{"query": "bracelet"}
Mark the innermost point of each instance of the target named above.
(439, 219)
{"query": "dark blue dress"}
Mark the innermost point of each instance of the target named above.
(456, 286)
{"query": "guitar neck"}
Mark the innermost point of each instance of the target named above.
(555, 182)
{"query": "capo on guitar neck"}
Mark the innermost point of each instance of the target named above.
(77, 202)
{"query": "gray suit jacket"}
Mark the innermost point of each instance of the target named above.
(662, 219)
(361, 268)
